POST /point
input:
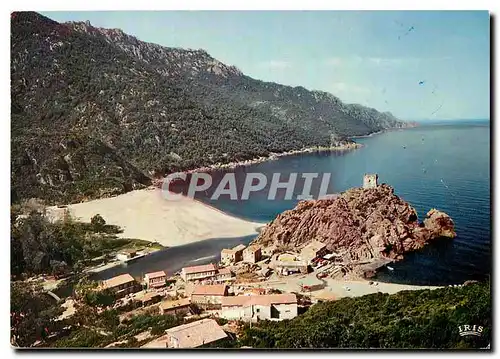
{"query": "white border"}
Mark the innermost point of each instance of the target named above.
(189, 5)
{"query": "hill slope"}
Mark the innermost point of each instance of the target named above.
(96, 112)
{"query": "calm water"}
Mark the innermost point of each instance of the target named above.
(441, 165)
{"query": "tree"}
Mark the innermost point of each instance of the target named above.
(32, 314)
(89, 292)
(98, 223)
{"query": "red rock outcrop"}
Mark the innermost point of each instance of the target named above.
(361, 224)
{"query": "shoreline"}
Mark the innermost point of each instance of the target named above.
(271, 157)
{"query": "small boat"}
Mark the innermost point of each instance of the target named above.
(390, 268)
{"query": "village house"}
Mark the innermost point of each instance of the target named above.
(255, 307)
(232, 256)
(224, 275)
(313, 250)
(147, 298)
(174, 307)
(191, 335)
(121, 285)
(155, 279)
(252, 254)
(126, 254)
(209, 296)
(198, 272)
(195, 334)
(291, 267)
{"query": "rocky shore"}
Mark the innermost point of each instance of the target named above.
(365, 227)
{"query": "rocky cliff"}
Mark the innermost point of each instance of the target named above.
(363, 225)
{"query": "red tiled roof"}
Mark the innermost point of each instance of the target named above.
(215, 289)
(197, 333)
(156, 274)
(118, 280)
(171, 304)
(266, 300)
(144, 297)
(224, 270)
(198, 269)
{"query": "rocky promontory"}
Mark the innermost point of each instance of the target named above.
(362, 225)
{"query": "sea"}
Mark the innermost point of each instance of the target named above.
(439, 164)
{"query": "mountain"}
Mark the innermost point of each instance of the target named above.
(96, 112)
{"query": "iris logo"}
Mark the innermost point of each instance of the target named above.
(466, 330)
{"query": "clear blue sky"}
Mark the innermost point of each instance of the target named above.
(371, 58)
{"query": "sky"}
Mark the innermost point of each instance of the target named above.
(415, 64)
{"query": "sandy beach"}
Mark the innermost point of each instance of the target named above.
(146, 214)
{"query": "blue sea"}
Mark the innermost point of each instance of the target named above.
(443, 165)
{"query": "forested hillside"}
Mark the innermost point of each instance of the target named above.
(409, 319)
(96, 112)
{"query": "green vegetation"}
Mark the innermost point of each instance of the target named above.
(113, 331)
(39, 246)
(87, 291)
(34, 317)
(408, 319)
(32, 314)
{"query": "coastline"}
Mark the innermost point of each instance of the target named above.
(349, 146)
(275, 156)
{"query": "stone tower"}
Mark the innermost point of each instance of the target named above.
(370, 181)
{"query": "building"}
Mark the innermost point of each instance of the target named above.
(209, 296)
(291, 267)
(199, 272)
(126, 255)
(121, 285)
(252, 254)
(155, 279)
(255, 307)
(232, 256)
(370, 181)
(174, 307)
(313, 250)
(147, 298)
(195, 334)
(224, 275)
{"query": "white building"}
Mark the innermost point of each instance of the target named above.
(155, 279)
(370, 181)
(199, 272)
(209, 296)
(252, 254)
(254, 307)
